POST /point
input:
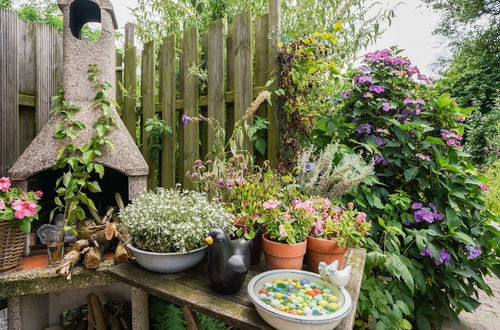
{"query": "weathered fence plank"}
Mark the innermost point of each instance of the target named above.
(26, 58)
(47, 77)
(274, 26)
(9, 114)
(243, 70)
(148, 104)
(230, 47)
(216, 103)
(169, 115)
(130, 81)
(204, 149)
(119, 81)
(191, 140)
(261, 58)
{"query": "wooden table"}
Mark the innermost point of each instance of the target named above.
(191, 291)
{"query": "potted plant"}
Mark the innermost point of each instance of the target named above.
(334, 230)
(167, 227)
(287, 225)
(17, 210)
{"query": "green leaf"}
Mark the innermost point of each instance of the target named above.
(67, 178)
(434, 140)
(464, 238)
(452, 219)
(99, 170)
(25, 226)
(405, 324)
(87, 157)
(94, 187)
(411, 173)
(261, 146)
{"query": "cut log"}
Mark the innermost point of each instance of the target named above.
(121, 254)
(90, 231)
(67, 264)
(92, 258)
(80, 244)
(95, 315)
(110, 230)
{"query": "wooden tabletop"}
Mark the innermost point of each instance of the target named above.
(191, 289)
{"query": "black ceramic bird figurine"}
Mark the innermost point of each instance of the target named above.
(228, 261)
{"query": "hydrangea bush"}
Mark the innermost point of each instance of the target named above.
(432, 237)
(168, 221)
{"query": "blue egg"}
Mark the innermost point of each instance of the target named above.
(290, 287)
(304, 282)
(278, 290)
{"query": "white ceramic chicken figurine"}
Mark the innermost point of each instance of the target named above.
(330, 273)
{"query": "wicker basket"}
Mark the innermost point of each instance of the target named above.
(11, 246)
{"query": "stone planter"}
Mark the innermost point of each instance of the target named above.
(283, 256)
(323, 250)
(166, 263)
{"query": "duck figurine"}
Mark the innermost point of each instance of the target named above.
(330, 273)
(228, 261)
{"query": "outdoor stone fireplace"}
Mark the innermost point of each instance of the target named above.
(126, 169)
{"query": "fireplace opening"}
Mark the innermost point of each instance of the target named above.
(83, 12)
(113, 182)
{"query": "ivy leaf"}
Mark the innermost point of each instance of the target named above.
(452, 219)
(99, 170)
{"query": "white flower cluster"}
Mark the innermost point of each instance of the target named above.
(169, 220)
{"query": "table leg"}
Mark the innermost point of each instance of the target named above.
(140, 309)
(191, 319)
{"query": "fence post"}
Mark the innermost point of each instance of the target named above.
(261, 57)
(9, 104)
(169, 115)
(130, 82)
(273, 139)
(243, 87)
(191, 134)
(215, 58)
(119, 80)
(148, 104)
(230, 46)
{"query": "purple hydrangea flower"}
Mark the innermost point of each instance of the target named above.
(417, 206)
(365, 79)
(366, 128)
(365, 68)
(429, 214)
(185, 120)
(309, 167)
(426, 253)
(376, 89)
(379, 159)
(380, 141)
(474, 252)
(444, 257)
(408, 101)
(386, 106)
(435, 212)
(420, 101)
(346, 94)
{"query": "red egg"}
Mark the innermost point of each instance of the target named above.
(263, 291)
(312, 293)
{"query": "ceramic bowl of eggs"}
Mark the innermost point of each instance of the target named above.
(294, 299)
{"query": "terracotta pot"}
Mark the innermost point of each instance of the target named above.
(322, 250)
(283, 256)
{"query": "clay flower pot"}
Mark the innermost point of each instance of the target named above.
(323, 250)
(283, 256)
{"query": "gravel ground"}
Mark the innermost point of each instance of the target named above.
(3, 319)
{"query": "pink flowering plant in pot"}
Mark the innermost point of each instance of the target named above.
(432, 235)
(17, 207)
(334, 230)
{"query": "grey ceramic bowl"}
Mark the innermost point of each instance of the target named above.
(166, 263)
(285, 321)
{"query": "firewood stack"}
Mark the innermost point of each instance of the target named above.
(96, 236)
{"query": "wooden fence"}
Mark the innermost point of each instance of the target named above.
(238, 63)
(30, 72)
(239, 59)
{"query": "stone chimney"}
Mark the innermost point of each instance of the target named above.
(125, 166)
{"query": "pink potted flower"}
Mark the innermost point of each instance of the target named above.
(17, 211)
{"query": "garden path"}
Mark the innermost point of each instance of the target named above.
(487, 316)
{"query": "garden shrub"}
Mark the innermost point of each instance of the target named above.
(434, 240)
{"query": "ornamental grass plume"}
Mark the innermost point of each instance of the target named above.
(331, 173)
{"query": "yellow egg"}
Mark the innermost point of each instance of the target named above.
(332, 298)
(287, 308)
(282, 301)
(300, 299)
(285, 282)
(325, 294)
(302, 290)
(308, 289)
(333, 306)
(277, 281)
(322, 303)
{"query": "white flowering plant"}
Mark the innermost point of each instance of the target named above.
(171, 220)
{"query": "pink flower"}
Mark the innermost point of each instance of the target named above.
(39, 193)
(2, 204)
(450, 142)
(24, 209)
(318, 227)
(271, 204)
(4, 184)
(484, 187)
(283, 231)
(350, 205)
(461, 119)
(486, 149)
(361, 217)
(194, 175)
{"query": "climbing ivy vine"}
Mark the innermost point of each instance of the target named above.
(78, 161)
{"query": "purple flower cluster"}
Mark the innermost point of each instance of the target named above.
(429, 214)
(364, 128)
(423, 157)
(386, 106)
(379, 141)
(412, 101)
(379, 159)
(444, 256)
(346, 94)
(376, 89)
(185, 120)
(474, 252)
(451, 138)
(362, 79)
